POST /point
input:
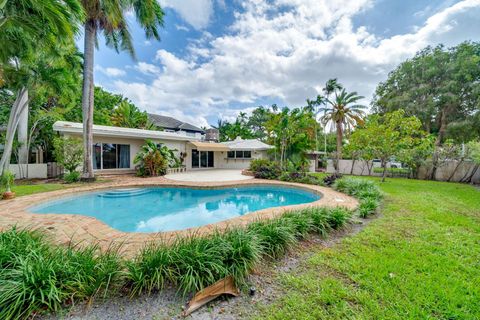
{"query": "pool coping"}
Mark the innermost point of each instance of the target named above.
(80, 230)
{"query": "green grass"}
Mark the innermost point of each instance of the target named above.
(27, 189)
(419, 260)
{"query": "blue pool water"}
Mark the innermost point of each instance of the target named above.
(165, 209)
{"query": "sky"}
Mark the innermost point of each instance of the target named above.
(217, 58)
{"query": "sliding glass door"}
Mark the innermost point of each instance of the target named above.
(111, 156)
(202, 159)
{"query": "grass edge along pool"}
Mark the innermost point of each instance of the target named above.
(156, 209)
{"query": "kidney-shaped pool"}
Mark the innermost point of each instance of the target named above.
(156, 209)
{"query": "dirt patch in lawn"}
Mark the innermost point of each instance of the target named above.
(168, 305)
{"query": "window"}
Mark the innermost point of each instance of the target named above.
(111, 156)
(239, 154)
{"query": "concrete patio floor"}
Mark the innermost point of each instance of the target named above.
(209, 175)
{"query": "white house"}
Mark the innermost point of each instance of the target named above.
(116, 147)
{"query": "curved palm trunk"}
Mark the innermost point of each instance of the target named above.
(339, 144)
(21, 102)
(87, 102)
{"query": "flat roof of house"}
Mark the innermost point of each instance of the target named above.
(247, 144)
(77, 128)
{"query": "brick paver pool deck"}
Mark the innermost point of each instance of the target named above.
(79, 229)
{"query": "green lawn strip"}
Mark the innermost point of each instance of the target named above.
(25, 189)
(419, 260)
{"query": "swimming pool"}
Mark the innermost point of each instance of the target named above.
(153, 209)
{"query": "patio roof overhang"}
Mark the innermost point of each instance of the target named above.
(209, 146)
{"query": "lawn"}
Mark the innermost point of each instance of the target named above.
(28, 188)
(420, 259)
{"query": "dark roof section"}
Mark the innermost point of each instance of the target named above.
(172, 123)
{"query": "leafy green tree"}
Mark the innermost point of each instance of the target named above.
(292, 132)
(68, 152)
(439, 86)
(31, 30)
(44, 74)
(390, 135)
(126, 114)
(109, 16)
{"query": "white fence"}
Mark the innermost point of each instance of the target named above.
(29, 171)
(443, 172)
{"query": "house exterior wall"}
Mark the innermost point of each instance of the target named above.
(135, 145)
(221, 162)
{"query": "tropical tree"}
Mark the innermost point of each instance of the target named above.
(344, 113)
(109, 16)
(153, 159)
(30, 30)
(42, 73)
(126, 114)
(439, 86)
(390, 135)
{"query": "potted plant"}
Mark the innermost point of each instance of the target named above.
(6, 180)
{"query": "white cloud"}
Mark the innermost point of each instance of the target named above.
(285, 51)
(197, 13)
(147, 68)
(111, 72)
(181, 27)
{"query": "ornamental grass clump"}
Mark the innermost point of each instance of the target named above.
(275, 236)
(198, 262)
(36, 276)
(301, 221)
(243, 252)
(151, 270)
(366, 191)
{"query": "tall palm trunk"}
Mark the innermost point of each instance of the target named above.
(87, 101)
(339, 144)
(21, 102)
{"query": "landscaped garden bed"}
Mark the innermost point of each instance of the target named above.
(41, 277)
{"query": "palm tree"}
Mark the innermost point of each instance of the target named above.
(344, 113)
(30, 30)
(109, 16)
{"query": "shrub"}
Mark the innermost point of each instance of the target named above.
(275, 236)
(338, 217)
(265, 169)
(320, 220)
(36, 276)
(366, 191)
(72, 177)
(68, 152)
(152, 160)
(7, 179)
(367, 207)
(198, 262)
(151, 269)
(243, 252)
(300, 221)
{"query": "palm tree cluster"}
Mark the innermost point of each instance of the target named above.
(340, 109)
(34, 31)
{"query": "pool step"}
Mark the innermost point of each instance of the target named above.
(120, 193)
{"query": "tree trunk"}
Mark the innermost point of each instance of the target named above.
(443, 126)
(339, 144)
(18, 106)
(384, 174)
(468, 178)
(22, 136)
(454, 170)
(87, 101)
(353, 166)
